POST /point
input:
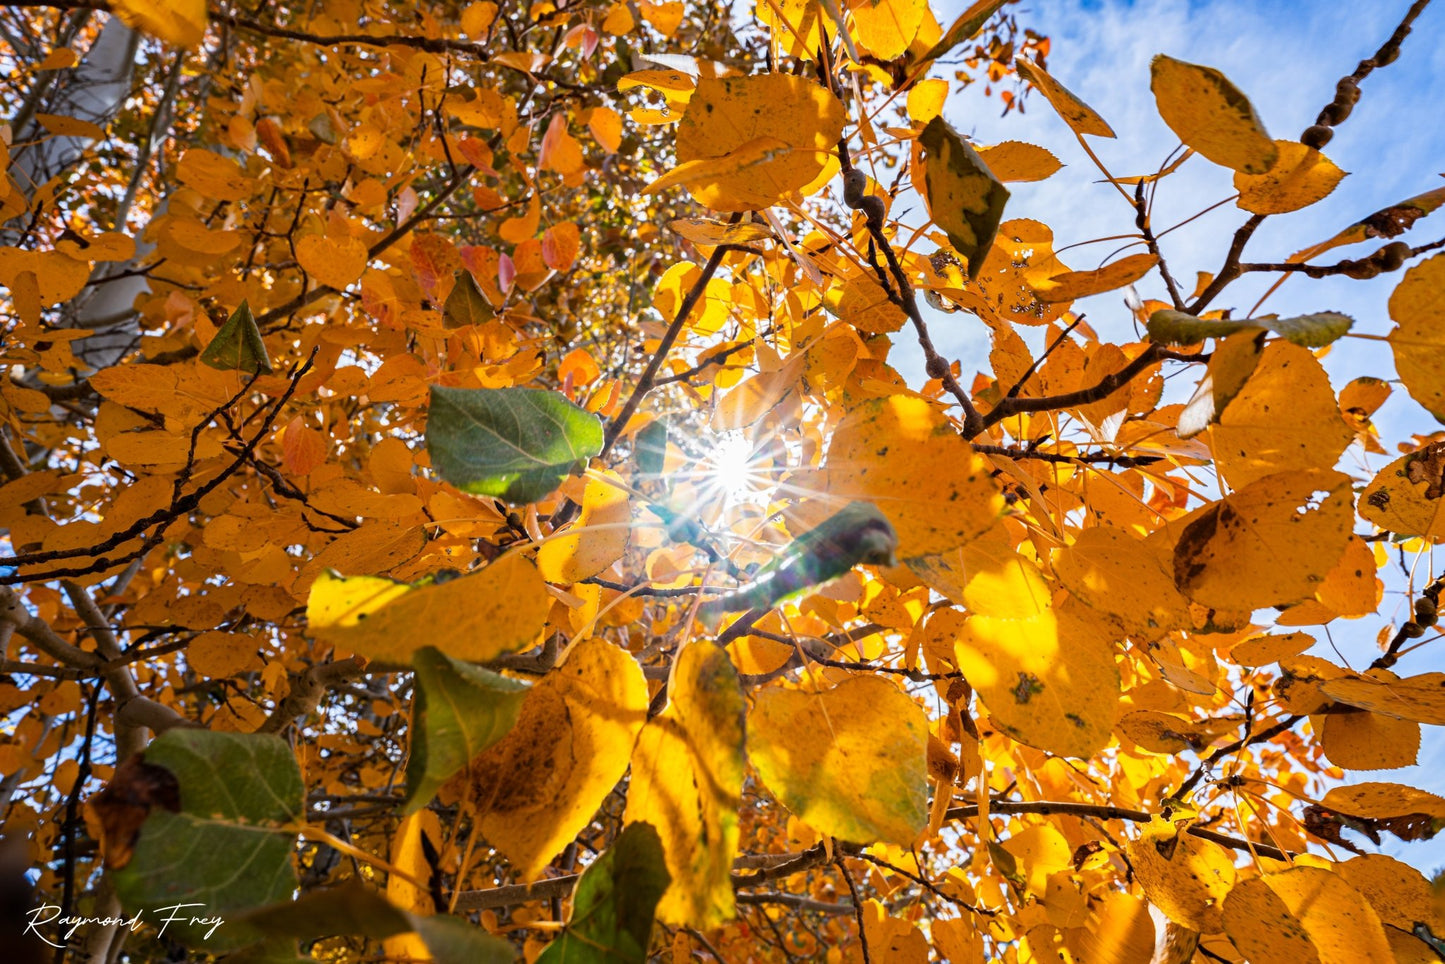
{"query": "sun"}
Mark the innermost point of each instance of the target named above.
(730, 469)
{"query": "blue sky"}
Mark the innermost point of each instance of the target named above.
(1286, 56)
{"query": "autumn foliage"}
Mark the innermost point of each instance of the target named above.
(463, 503)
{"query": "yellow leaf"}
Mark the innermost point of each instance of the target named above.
(64, 126)
(796, 25)
(925, 100)
(409, 856)
(1109, 570)
(1265, 649)
(988, 577)
(1357, 739)
(864, 304)
(1039, 851)
(218, 655)
(178, 22)
(849, 761)
(1119, 930)
(1081, 284)
(892, 940)
(1418, 698)
(1268, 544)
(214, 176)
(335, 262)
(1080, 117)
(902, 454)
(1211, 115)
(541, 785)
(687, 776)
(886, 28)
(1381, 801)
(499, 609)
(1418, 339)
(1048, 681)
(1017, 161)
(1185, 876)
(596, 540)
(1300, 177)
(1284, 419)
(1234, 360)
(477, 18)
(1303, 914)
(665, 17)
(1408, 495)
(727, 114)
(1399, 893)
(709, 231)
(1351, 588)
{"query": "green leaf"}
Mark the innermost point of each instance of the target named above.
(1171, 327)
(452, 940)
(966, 27)
(229, 845)
(964, 197)
(238, 345)
(466, 305)
(460, 710)
(515, 443)
(651, 450)
(859, 534)
(613, 905)
(354, 909)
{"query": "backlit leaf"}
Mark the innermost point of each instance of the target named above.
(1080, 117)
(964, 197)
(733, 115)
(1267, 544)
(501, 608)
(459, 711)
(1185, 876)
(516, 443)
(1418, 698)
(687, 775)
(1385, 223)
(178, 22)
(1081, 284)
(336, 262)
(535, 789)
(1211, 115)
(1418, 341)
(613, 905)
(928, 467)
(597, 539)
(1300, 177)
(848, 760)
(1284, 419)
(1048, 681)
(1407, 496)
(1017, 161)
(1303, 914)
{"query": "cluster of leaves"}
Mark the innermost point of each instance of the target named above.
(454, 472)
